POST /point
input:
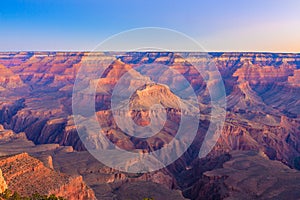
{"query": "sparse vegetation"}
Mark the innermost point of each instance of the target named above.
(9, 195)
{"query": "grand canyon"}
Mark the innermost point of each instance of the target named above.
(257, 155)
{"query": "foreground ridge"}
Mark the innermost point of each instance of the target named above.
(27, 175)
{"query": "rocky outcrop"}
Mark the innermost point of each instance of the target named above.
(27, 175)
(3, 185)
(20, 167)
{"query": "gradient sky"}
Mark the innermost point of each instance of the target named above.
(231, 25)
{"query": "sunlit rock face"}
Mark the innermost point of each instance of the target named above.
(27, 175)
(3, 185)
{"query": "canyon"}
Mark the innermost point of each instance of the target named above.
(261, 129)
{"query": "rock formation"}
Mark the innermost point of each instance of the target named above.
(27, 175)
(3, 185)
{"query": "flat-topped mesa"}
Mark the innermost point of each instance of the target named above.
(152, 99)
(27, 175)
(150, 94)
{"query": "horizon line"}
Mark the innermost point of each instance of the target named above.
(115, 51)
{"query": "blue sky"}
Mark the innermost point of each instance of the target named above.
(231, 25)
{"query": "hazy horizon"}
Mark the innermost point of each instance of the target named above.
(86, 51)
